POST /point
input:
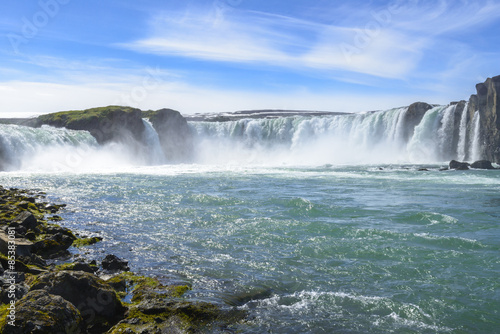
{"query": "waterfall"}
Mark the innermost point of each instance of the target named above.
(52, 149)
(462, 140)
(424, 145)
(154, 154)
(445, 132)
(378, 137)
(372, 137)
(24, 147)
(475, 145)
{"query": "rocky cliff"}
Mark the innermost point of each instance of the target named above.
(487, 103)
(112, 123)
(125, 124)
(175, 135)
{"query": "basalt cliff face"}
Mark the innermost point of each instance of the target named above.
(487, 105)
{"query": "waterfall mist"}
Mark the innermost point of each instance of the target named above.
(382, 137)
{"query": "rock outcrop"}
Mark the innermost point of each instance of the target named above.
(94, 298)
(413, 116)
(487, 103)
(41, 312)
(114, 263)
(106, 124)
(175, 135)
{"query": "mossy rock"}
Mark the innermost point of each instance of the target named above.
(93, 297)
(78, 266)
(175, 316)
(82, 242)
(142, 287)
(53, 246)
(41, 312)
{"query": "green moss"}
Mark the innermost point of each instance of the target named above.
(82, 116)
(86, 241)
(3, 315)
(73, 266)
(142, 287)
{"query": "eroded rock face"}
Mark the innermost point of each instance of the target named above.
(487, 102)
(93, 297)
(413, 116)
(175, 135)
(41, 312)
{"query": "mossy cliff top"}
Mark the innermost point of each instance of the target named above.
(104, 123)
(125, 124)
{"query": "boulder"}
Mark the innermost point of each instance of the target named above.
(94, 298)
(459, 165)
(41, 312)
(55, 245)
(26, 219)
(18, 289)
(113, 263)
(80, 266)
(23, 247)
(482, 164)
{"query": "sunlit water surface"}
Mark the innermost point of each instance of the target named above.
(349, 249)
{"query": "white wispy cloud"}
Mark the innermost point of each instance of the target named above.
(388, 43)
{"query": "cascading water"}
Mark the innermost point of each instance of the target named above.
(373, 137)
(475, 145)
(445, 132)
(24, 147)
(154, 154)
(59, 149)
(364, 138)
(462, 140)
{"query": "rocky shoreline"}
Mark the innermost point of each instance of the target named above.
(82, 296)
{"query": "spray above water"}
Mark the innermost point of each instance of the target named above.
(373, 137)
(366, 138)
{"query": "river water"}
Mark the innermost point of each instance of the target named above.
(323, 248)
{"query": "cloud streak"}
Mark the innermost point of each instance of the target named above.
(389, 43)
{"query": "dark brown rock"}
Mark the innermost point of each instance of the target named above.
(482, 164)
(112, 262)
(44, 313)
(55, 245)
(458, 165)
(94, 298)
(26, 219)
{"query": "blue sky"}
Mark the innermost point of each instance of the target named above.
(228, 55)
